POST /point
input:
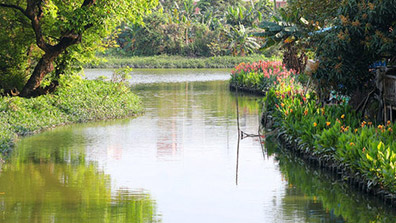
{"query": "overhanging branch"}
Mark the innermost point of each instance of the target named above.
(88, 3)
(13, 7)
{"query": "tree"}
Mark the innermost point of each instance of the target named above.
(319, 13)
(363, 33)
(64, 29)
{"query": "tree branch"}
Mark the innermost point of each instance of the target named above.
(88, 3)
(13, 7)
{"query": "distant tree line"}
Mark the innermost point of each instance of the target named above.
(193, 28)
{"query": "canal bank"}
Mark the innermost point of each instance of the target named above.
(332, 136)
(174, 163)
(75, 100)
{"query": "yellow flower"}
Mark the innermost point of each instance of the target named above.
(388, 123)
(351, 144)
(356, 130)
(344, 20)
(371, 6)
(356, 23)
(343, 116)
(328, 123)
(315, 124)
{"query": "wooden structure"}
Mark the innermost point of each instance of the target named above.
(389, 97)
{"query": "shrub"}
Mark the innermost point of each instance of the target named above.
(76, 100)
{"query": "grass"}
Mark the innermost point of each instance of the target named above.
(76, 100)
(165, 61)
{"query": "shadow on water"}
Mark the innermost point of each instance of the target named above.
(317, 196)
(41, 182)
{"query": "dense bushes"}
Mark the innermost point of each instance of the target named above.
(76, 100)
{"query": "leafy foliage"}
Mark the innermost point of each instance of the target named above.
(76, 100)
(289, 33)
(190, 28)
(334, 132)
(240, 41)
(362, 34)
(62, 32)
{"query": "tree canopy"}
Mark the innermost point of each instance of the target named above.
(363, 33)
(46, 36)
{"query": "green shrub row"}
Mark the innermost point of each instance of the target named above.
(164, 61)
(76, 100)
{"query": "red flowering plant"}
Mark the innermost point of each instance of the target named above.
(259, 75)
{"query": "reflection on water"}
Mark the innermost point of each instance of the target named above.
(319, 196)
(150, 76)
(176, 163)
(48, 179)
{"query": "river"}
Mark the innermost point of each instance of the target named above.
(175, 163)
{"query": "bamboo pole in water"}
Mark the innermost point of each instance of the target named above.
(239, 137)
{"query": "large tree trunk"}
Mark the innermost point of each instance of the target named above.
(34, 12)
(44, 66)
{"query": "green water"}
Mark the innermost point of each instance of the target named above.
(175, 163)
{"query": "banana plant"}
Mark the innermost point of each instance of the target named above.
(240, 41)
(280, 30)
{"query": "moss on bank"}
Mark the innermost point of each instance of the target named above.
(76, 100)
(165, 61)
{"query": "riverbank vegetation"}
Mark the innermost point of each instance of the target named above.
(334, 111)
(258, 76)
(76, 100)
(175, 61)
(333, 133)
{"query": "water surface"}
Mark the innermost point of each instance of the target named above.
(175, 163)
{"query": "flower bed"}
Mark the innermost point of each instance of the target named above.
(258, 76)
(333, 134)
